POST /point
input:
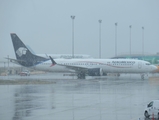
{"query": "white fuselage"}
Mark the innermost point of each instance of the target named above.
(107, 65)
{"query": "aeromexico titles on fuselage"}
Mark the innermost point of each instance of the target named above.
(117, 63)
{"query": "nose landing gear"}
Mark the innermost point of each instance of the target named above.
(142, 76)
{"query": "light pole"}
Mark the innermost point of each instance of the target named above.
(130, 39)
(142, 40)
(72, 17)
(4, 66)
(100, 21)
(116, 39)
(8, 66)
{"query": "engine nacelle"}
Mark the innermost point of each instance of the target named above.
(95, 72)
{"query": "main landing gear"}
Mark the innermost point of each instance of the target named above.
(143, 76)
(81, 75)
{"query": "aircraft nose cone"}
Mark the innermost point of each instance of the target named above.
(154, 68)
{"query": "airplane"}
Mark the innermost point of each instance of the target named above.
(82, 67)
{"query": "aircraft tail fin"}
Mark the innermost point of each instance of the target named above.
(23, 55)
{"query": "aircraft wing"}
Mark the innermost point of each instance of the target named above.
(81, 70)
(76, 68)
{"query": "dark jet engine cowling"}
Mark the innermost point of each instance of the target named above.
(95, 72)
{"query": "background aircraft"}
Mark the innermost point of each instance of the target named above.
(65, 56)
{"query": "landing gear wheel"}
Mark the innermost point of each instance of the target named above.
(81, 75)
(142, 76)
(118, 74)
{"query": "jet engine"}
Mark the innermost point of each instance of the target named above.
(95, 72)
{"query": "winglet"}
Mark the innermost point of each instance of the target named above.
(52, 60)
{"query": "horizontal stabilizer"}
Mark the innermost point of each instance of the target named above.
(15, 61)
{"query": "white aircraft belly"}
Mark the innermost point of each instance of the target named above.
(121, 69)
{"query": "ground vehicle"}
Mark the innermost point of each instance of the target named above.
(24, 73)
(152, 109)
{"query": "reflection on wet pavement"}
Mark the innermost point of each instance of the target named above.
(72, 99)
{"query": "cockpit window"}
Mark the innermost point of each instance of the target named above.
(150, 104)
(147, 63)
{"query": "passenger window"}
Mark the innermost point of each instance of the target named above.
(150, 104)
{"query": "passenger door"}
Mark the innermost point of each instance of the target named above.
(139, 65)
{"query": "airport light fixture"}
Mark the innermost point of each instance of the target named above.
(72, 17)
(100, 21)
(116, 39)
(130, 39)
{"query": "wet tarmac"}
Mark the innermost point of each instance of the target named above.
(57, 97)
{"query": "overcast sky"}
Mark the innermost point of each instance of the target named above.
(46, 26)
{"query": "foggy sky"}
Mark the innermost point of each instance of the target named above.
(46, 26)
